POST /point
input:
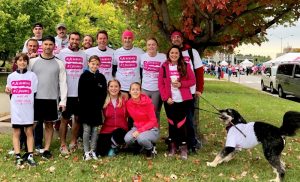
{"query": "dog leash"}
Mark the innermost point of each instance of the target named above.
(210, 103)
(238, 130)
(219, 114)
(207, 111)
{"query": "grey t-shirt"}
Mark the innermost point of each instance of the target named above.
(51, 76)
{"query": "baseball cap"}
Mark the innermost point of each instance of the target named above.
(176, 33)
(61, 25)
(37, 25)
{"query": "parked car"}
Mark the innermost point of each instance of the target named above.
(268, 79)
(288, 79)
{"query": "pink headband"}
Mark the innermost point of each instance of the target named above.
(176, 33)
(127, 33)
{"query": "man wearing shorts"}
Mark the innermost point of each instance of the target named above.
(52, 82)
(75, 60)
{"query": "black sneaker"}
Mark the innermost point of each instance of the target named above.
(47, 155)
(25, 156)
(31, 161)
(150, 154)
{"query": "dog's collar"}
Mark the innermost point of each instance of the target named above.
(228, 127)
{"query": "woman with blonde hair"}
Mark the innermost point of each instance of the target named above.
(111, 135)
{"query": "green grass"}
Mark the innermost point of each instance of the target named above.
(249, 165)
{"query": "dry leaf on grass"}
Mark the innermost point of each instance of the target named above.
(75, 159)
(255, 176)
(173, 176)
(51, 169)
(150, 164)
(197, 161)
(221, 174)
(232, 178)
(159, 176)
(244, 173)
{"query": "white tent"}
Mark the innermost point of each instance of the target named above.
(246, 63)
(223, 63)
(288, 57)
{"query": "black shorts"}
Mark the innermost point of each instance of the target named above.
(45, 110)
(21, 126)
(71, 108)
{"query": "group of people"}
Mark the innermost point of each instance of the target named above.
(120, 90)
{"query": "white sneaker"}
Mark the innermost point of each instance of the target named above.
(87, 156)
(93, 155)
(11, 152)
(39, 151)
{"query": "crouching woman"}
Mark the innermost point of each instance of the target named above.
(145, 126)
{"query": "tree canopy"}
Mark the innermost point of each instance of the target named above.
(207, 24)
(214, 24)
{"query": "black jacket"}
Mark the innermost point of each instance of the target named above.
(92, 90)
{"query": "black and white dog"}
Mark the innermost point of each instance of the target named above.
(250, 134)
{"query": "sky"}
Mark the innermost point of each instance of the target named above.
(290, 36)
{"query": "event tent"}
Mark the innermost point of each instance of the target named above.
(288, 57)
(246, 63)
(223, 63)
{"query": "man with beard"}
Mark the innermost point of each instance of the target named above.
(75, 61)
(104, 53)
(61, 39)
(51, 75)
(87, 42)
(38, 34)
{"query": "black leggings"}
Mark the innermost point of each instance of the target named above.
(177, 115)
(104, 142)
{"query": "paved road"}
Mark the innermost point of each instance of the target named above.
(253, 81)
(4, 103)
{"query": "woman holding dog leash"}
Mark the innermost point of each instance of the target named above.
(174, 82)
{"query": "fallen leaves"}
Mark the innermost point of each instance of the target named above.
(173, 176)
(51, 169)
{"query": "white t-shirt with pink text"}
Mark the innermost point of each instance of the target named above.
(174, 74)
(74, 63)
(151, 66)
(128, 66)
(106, 59)
(23, 87)
(197, 63)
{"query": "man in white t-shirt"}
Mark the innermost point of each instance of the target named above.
(192, 58)
(37, 30)
(75, 60)
(61, 39)
(105, 54)
(127, 60)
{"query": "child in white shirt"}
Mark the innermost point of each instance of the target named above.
(22, 85)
